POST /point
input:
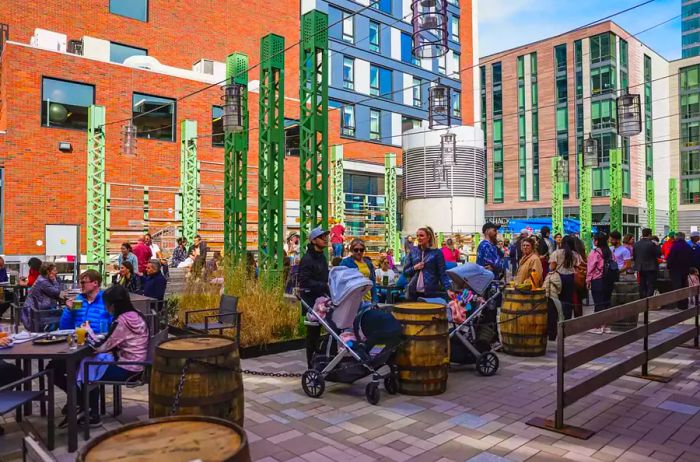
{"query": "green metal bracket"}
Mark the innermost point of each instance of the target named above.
(391, 201)
(96, 188)
(557, 199)
(585, 205)
(313, 124)
(271, 154)
(235, 169)
(188, 178)
(337, 195)
(616, 190)
(651, 206)
(673, 204)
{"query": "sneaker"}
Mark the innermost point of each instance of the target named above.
(597, 330)
(94, 420)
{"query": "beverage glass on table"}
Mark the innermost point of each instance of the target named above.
(72, 344)
(4, 332)
(77, 304)
(80, 334)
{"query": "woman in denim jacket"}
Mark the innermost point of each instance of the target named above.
(425, 267)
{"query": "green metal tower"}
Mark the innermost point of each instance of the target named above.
(313, 124)
(189, 176)
(651, 206)
(585, 206)
(673, 204)
(337, 183)
(96, 187)
(236, 166)
(557, 197)
(271, 154)
(391, 201)
(616, 190)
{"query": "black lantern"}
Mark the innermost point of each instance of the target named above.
(590, 152)
(629, 114)
(429, 28)
(129, 139)
(439, 107)
(233, 116)
(448, 144)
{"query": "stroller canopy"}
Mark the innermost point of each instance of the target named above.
(472, 276)
(347, 287)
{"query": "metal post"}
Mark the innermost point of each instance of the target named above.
(651, 206)
(188, 178)
(271, 154)
(616, 190)
(337, 195)
(645, 366)
(235, 168)
(559, 413)
(313, 124)
(557, 199)
(585, 209)
(673, 204)
(96, 247)
(391, 201)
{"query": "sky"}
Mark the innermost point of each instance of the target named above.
(505, 24)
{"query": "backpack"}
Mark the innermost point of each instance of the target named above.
(611, 272)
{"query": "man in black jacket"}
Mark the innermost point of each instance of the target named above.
(679, 261)
(313, 282)
(646, 255)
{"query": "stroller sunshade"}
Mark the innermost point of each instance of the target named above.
(347, 287)
(471, 275)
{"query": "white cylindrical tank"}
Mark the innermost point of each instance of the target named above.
(444, 192)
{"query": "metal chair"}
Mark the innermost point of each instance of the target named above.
(14, 400)
(34, 451)
(227, 318)
(136, 380)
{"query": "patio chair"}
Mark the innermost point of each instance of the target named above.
(14, 400)
(228, 317)
(136, 380)
(34, 451)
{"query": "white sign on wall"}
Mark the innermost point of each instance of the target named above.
(62, 240)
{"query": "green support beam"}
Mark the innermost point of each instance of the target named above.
(235, 168)
(337, 195)
(189, 176)
(96, 187)
(271, 154)
(585, 205)
(313, 124)
(557, 198)
(616, 190)
(673, 204)
(391, 201)
(651, 206)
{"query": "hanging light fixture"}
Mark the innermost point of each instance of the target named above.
(129, 139)
(448, 144)
(429, 28)
(629, 114)
(440, 176)
(590, 152)
(439, 107)
(233, 116)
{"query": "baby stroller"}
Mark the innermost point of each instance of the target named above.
(475, 339)
(356, 333)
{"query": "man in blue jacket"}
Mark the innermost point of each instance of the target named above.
(92, 307)
(154, 282)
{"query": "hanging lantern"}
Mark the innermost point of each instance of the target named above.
(562, 170)
(429, 28)
(439, 107)
(440, 176)
(590, 152)
(233, 116)
(129, 139)
(448, 144)
(629, 115)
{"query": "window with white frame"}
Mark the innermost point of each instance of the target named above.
(454, 28)
(442, 65)
(375, 126)
(374, 37)
(348, 120)
(455, 65)
(348, 27)
(417, 92)
(348, 73)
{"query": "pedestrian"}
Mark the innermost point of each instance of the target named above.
(200, 247)
(449, 252)
(515, 252)
(581, 291)
(695, 247)
(390, 258)
(679, 261)
(694, 281)
(425, 268)
(359, 261)
(599, 279)
(488, 254)
(646, 262)
(180, 253)
(143, 255)
(34, 267)
(668, 243)
(338, 238)
(557, 241)
(622, 254)
(156, 253)
(530, 264)
(565, 261)
(313, 283)
(628, 241)
(506, 255)
(546, 245)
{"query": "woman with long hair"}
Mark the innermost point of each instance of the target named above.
(529, 262)
(425, 267)
(564, 261)
(128, 279)
(581, 289)
(599, 285)
(46, 294)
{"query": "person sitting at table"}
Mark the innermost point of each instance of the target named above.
(359, 261)
(126, 340)
(8, 372)
(154, 283)
(92, 308)
(3, 271)
(34, 267)
(128, 279)
(180, 253)
(385, 270)
(45, 295)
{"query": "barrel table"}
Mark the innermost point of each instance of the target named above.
(523, 322)
(626, 290)
(424, 358)
(171, 439)
(212, 385)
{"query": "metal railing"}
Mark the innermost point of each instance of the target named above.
(569, 362)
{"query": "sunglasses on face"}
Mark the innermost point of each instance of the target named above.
(358, 250)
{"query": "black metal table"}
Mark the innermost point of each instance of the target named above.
(389, 292)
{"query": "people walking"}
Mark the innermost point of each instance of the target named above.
(313, 283)
(646, 262)
(679, 261)
(599, 277)
(695, 247)
(425, 267)
(565, 261)
(338, 238)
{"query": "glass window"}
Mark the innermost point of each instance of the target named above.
(454, 28)
(348, 27)
(690, 163)
(348, 121)
(624, 60)
(455, 65)
(520, 66)
(442, 65)
(154, 117)
(560, 57)
(521, 97)
(601, 181)
(690, 105)
(373, 80)
(65, 104)
(521, 127)
(456, 104)
(535, 125)
(533, 63)
(417, 92)
(603, 114)
(217, 126)
(136, 9)
(690, 191)
(603, 80)
(690, 134)
(578, 53)
(291, 137)
(496, 73)
(409, 123)
(562, 120)
(533, 94)
(647, 68)
(498, 190)
(497, 103)
(380, 82)
(118, 52)
(561, 91)
(689, 39)
(689, 77)
(348, 73)
(603, 47)
(407, 49)
(375, 125)
(382, 5)
(498, 131)
(374, 37)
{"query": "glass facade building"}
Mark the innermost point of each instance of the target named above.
(690, 27)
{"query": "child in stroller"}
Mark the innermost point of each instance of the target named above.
(356, 332)
(474, 335)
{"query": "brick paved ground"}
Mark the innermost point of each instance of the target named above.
(479, 419)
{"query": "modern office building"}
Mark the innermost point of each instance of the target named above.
(542, 99)
(690, 28)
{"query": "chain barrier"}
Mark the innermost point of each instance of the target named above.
(180, 386)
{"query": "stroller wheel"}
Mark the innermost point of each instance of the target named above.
(313, 383)
(372, 393)
(391, 383)
(487, 364)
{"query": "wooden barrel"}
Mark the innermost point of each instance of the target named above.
(625, 292)
(523, 322)
(423, 359)
(171, 439)
(208, 390)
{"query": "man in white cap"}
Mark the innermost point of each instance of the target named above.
(313, 282)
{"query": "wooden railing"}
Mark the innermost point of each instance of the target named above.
(568, 362)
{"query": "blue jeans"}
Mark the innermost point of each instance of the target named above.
(337, 250)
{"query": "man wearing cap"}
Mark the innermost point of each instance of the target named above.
(488, 254)
(695, 247)
(313, 282)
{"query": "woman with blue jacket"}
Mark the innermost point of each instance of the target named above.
(425, 268)
(364, 264)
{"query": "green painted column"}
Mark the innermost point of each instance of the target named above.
(585, 205)
(188, 178)
(557, 198)
(391, 201)
(673, 204)
(337, 194)
(313, 123)
(96, 220)
(616, 190)
(651, 206)
(271, 155)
